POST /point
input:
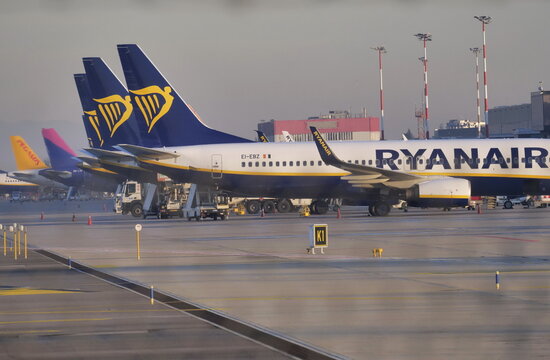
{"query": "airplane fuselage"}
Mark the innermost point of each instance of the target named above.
(494, 167)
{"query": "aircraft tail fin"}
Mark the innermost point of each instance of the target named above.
(261, 136)
(161, 108)
(114, 109)
(62, 157)
(25, 157)
(89, 116)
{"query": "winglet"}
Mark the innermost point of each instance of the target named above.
(324, 150)
(261, 136)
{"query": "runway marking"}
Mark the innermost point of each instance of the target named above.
(51, 320)
(481, 272)
(509, 238)
(322, 298)
(29, 291)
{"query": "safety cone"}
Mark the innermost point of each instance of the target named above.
(338, 214)
(90, 220)
(478, 209)
(74, 217)
(42, 215)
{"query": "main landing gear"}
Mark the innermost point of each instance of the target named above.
(380, 208)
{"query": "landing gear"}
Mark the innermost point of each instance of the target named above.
(253, 206)
(380, 208)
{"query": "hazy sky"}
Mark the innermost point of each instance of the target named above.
(238, 62)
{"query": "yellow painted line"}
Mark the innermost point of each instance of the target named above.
(51, 320)
(457, 174)
(29, 291)
(80, 312)
(27, 332)
(484, 272)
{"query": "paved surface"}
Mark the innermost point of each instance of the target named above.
(432, 295)
(50, 312)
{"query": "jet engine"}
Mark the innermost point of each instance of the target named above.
(442, 192)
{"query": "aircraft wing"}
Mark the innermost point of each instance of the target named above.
(147, 153)
(89, 161)
(363, 175)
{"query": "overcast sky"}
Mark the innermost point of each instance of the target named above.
(241, 61)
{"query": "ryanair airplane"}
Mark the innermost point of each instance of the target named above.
(429, 173)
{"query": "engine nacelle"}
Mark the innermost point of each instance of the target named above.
(442, 192)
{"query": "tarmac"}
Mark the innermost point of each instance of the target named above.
(431, 295)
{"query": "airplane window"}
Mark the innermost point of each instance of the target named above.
(543, 159)
(420, 161)
(399, 161)
(363, 162)
(508, 160)
(297, 163)
(311, 163)
(356, 162)
(478, 161)
(243, 164)
(370, 162)
(516, 160)
(523, 160)
(271, 163)
(320, 163)
(304, 163)
(428, 162)
(349, 161)
(385, 161)
(290, 163)
(284, 163)
(263, 163)
(530, 159)
(408, 161)
(257, 163)
(377, 162)
(276, 163)
(250, 164)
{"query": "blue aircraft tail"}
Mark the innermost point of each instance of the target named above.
(160, 107)
(62, 157)
(89, 116)
(114, 110)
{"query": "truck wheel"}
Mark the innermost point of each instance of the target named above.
(313, 207)
(508, 204)
(253, 206)
(269, 206)
(137, 210)
(321, 207)
(284, 206)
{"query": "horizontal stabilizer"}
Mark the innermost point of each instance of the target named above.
(57, 173)
(90, 161)
(109, 154)
(148, 153)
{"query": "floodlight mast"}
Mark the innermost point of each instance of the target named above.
(381, 50)
(475, 51)
(484, 21)
(425, 37)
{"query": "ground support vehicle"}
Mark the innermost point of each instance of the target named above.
(205, 203)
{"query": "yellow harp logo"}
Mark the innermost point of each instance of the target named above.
(93, 119)
(153, 102)
(115, 110)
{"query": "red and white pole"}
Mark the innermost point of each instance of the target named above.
(381, 50)
(476, 52)
(486, 102)
(426, 118)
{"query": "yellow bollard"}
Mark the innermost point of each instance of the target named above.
(25, 235)
(138, 230)
(14, 244)
(152, 296)
(5, 240)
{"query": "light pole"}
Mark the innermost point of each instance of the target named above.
(381, 50)
(425, 38)
(484, 21)
(475, 51)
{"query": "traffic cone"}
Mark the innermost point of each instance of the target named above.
(74, 217)
(338, 214)
(478, 209)
(89, 219)
(42, 215)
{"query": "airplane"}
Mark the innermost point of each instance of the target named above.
(29, 165)
(261, 136)
(441, 173)
(65, 168)
(287, 136)
(8, 184)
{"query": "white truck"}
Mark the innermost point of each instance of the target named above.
(205, 203)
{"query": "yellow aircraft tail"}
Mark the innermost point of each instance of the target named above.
(25, 157)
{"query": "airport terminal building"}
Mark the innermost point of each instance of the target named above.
(337, 125)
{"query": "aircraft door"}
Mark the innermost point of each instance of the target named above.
(217, 166)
